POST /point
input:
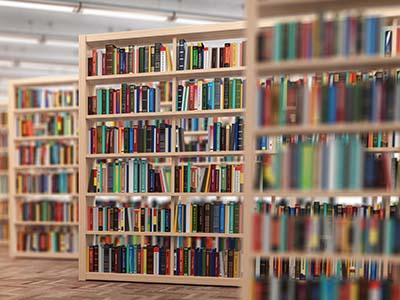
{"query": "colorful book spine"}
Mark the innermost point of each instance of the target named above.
(39, 153)
(56, 183)
(47, 240)
(117, 137)
(209, 217)
(131, 59)
(47, 210)
(42, 98)
(55, 125)
(129, 176)
(226, 137)
(213, 178)
(129, 219)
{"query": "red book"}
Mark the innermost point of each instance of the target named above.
(94, 62)
(192, 262)
(180, 263)
(103, 65)
(167, 261)
(157, 139)
(90, 218)
(257, 229)
(191, 96)
(91, 257)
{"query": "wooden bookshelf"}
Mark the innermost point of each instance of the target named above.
(262, 13)
(4, 198)
(52, 83)
(87, 86)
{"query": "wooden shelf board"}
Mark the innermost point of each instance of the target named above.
(167, 115)
(328, 128)
(45, 110)
(273, 8)
(166, 194)
(303, 66)
(45, 223)
(44, 255)
(164, 154)
(195, 280)
(163, 76)
(329, 255)
(45, 138)
(4, 242)
(45, 167)
(3, 217)
(223, 30)
(172, 234)
(46, 195)
(383, 149)
(328, 193)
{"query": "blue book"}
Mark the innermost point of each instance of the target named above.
(131, 140)
(122, 61)
(332, 104)
(131, 259)
(152, 100)
(212, 262)
(222, 217)
(137, 101)
(235, 136)
(180, 217)
(99, 101)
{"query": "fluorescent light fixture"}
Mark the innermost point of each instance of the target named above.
(193, 21)
(47, 67)
(19, 40)
(61, 43)
(123, 14)
(37, 6)
(6, 63)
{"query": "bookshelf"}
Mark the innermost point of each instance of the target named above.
(88, 86)
(36, 214)
(4, 224)
(265, 13)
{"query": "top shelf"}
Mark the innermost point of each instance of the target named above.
(218, 31)
(276, 8)
(164, 76)
(302, 66)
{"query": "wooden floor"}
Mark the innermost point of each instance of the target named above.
(48, 279)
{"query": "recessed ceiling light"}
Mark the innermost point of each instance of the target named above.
(37, 6)
(123, 14)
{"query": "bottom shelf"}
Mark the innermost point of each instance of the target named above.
(50, 255)
(195, 280)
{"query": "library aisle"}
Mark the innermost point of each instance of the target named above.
(43, 279)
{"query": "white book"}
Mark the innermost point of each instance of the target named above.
(274, 291)
(99, 62)
(101, 258)
(187, 225)
(332, 164)
(146, 219)
(130, 221)
(163, 61)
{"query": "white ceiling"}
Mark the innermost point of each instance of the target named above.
(19, 22)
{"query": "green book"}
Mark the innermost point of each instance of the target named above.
(306, 166)
(143, 176)
(105, 218)
(135, 175)
(99, 101)
(108, 101)
(103, 138)
(283, 232)
(194, 217)
(282, 101)
(233, 94)
(238, 96)
(278, 41)
(188, 177)
(292, 40)
(162, 220)
(218, 136)
(231, 214)
(186, 261)
(230, 94)
(388, 233)
(236, 216)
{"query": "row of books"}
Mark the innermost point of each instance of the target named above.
(192, 56)
(326, 209)
(213, 178)
(330, 98)
(219, 93)
(129, 138)
(129, 98)
(130, 176)
(105, 217)
(49, 153)
(48, 210)
(4, 230)
(324, 288)
(321, 234)
(209, 217)
(56, 125)
(226, 136)
(302, 268)
(56, 183)
(130, 59)
(323, 36)
(44, 98)
(48, 240)
(339, 163)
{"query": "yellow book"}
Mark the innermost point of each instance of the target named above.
(190, 49)
(169, 59)
(236, 264)
(144, 260)
(176, 218)
(234, 54)
(241, 95)
(87, 259)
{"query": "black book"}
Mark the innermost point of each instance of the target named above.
(149, 138)
(204, 102)
(214, 57)
(221, 56)
(145, 92)
(107, 251)
(152, 58)
(162, 137)
(181, 54)
(103, 104)
(141, 59)
(162, 262)
(167, 219)
(131, 98)
(150, 251)
(111, 103)
(123, 259)
(124, 88)
(226, 93)
(146, 60)
(157, 57)
(180, 97)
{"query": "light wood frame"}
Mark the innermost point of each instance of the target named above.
(87, 84)
(13, 113)
(4, 151)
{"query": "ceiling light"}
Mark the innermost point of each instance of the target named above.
(193, 21)
(20, 40)
(61, 43)
(6, 63)
(37, 6)
(122, 14)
